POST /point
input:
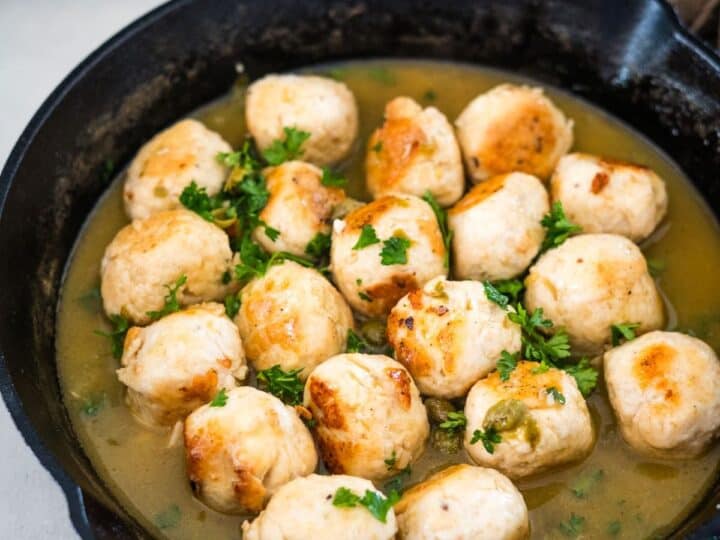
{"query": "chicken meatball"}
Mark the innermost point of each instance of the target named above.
(592, 282)
(385, 249)
(299, 207)
(496, 227)
(185, 152)
(368, 410)
(180, 362)
(303, 509)
(449, 335)
(513, 128)
(240, 453)
(293, 317)
(414, 151)
(538, 419)
(463, 502)
(320, 106)
(150, 255)
(665, 390)
(604, 196)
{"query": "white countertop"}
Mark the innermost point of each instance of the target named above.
(40, 42)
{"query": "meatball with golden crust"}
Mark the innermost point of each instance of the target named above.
(449, 335)
(183, 153)
(373, 282)
(513, 128)
(368, 410)
(414, 151)
(240, 453)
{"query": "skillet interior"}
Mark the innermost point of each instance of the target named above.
(630, 59)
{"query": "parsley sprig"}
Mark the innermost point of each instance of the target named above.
(394, 250)
(287, 149)
(536, 345)
(367, 237)
(331, 178)
(220, 399)
(506, 364)
(285, 385)
(441, 217)
(558, 227)
(376, 503)
(489, 438)
(172, 304)
(557, 396)
(120, 326)
(355, 344)
(623, 332)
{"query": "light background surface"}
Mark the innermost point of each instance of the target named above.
(40, 42)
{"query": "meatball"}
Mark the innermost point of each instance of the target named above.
(665, 390)
(513, 128)
(238, 454)
(149, 255)
(496, 227)
(292, 316)
(604, 196)
(541, 420)
(414, 151)
(449, 335)
(168, 163)
(372, 282)
(180, 362)
(590, 283)
(299, 207)
(303, 509)
(320, 106)
(368, 410)
(463, 502)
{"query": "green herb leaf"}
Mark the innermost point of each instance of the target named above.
(573, 526)
(368, 237)
(377, 147)
(536, 346)
(506, 364)
(558, 227)
(116, 336)
(656, 266)
(512, 288)
(495, 296)
(623, 332)
(285, 385)
(585, 376)
(614, 528)
(232, 305)
(441, 217)
(587, 480)
(355, 344)
(92, 405)
(364, 296)
(382, 75)
(489, 437)
(394, 250)
(172, 304)
(456, 421)
(375, 503)
(319, 246)
(556, 395)
(196, 199)
(168, 518)
(391, 461)
(331, 178)
(220, 399)
(288, 149)
(397, 483)
(429, 95)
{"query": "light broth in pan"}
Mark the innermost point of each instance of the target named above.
(616, 493)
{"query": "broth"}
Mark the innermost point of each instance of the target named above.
(617, 493)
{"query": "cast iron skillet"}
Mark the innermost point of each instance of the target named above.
(629, 57)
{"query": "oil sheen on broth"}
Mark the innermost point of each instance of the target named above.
(614, 493)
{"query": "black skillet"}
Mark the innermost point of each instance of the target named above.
(629, 57)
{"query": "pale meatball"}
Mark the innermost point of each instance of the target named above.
(496, 227)
(320, 106)
(665, 390)
(449, 335)
(368, 410)
(414, 151)
(373, 286)
(180, 362)
(463, 502)
(590, 283)
(150, 255)
(303, 510)
(293, 317)
(541, 419)
(604, 196)
(238, 454)
(299, 207)
(185, 152)
(513, 128)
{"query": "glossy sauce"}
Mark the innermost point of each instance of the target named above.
(614, 492)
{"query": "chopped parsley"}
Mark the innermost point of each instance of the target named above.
(197, 199)
(331, 178)
(573, 526)
(585, 482)
(288, 149)
(232, 305)
(226, 277)
(169, 518)
(394, 250)
(558, 227)
(116, 336)
(614, 528)
(623, 332)
(456, 421)
(255, 261)
(285, 385)
(397, 482)
(368, 237)
(585, 376)
(556, 395)
(495, 296)
(511, 288)
(429, 95)
(364, 296)
(391, 461)
(319, 246)
(377, 147)
(441, 217)
(172, 304)
(220, 399)
(536, 345)
(376, 503)
(91, 406)
(355, 344)
(489, 438)
(506, 364)
(656, 266)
